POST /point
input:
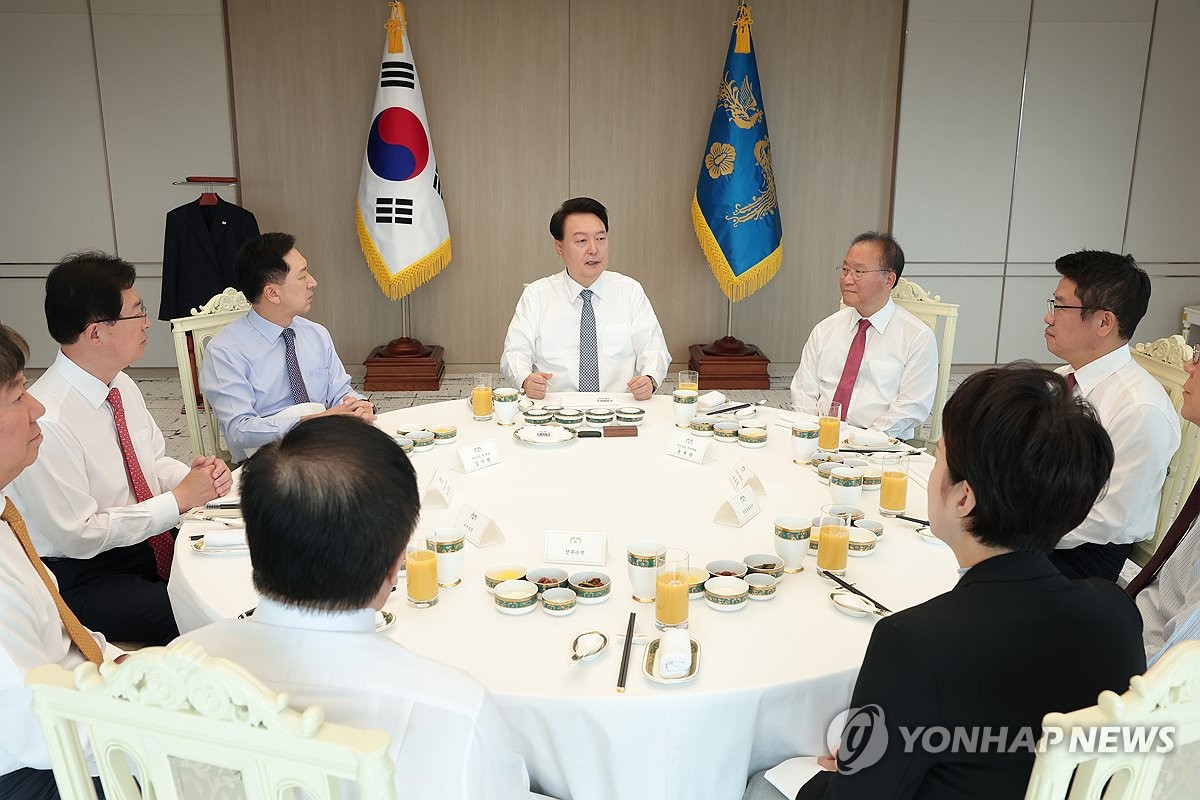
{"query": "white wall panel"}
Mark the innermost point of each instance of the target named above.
(958, 128)
(978, 302)
(1082, 100)
(1164, 206)
(1021, 324)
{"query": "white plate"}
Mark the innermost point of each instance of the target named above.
(927, 535)
(852, 605)
(892, 445)
(389, 619)
(543, 435)
(198, 546)
(650, 663)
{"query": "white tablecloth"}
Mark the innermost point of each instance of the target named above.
(771, 677)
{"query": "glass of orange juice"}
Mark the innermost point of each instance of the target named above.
(421, 568)
(671, 590)
(830, 421)
(689, 379)
(481, 397)
(893, 488)
(833, 551)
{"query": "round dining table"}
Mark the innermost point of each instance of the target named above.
(771, 677)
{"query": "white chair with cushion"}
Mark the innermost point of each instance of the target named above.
(203, 324)
(942, 319)
(1164, 359)
(178, 716)
(1167, 696)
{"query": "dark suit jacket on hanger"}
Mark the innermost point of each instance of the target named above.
(199, 248)
(1011, 642)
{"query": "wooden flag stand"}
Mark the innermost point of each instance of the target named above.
(730, 363)
(405, 364)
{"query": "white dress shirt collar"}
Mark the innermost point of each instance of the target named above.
(1093, 373)
(94, 390)
(573, 288)
(880, 319)
(273, 612)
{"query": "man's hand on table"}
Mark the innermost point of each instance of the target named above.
(350, 405)
(536, 384)
(641, 387)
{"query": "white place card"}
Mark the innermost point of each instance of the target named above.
(741, 477)
(480, 530)
(479, 455)
(690, 447)
(439, 492)
(576, 547)
(738, 510)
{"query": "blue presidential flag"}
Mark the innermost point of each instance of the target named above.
(735, 210)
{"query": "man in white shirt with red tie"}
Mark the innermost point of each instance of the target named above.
(876, 359)
(103, 498)
(1096, 308)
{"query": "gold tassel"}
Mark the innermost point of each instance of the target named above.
(735, 287)
(409, 278)
(742, 23)
(395, 28)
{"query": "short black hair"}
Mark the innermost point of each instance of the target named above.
(1037, 458)
(1108, 282)
(889, 249)
(576, 205)
(14, 351)
(85, 288)
(260, 261)
(329, 508)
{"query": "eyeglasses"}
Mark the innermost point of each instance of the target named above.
(1195, 359)
(143, 312)
(857, 273)
(1053, 306)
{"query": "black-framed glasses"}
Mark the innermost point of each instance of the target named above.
(1055, 306)
(857, 273)
(143, 312)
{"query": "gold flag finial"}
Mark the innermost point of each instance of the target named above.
(742, 23)
(395, 28)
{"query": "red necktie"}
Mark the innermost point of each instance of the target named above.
(1187, 515)
(163, 544)
(1072, 383)
(858, 346)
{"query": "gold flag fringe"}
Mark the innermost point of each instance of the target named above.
(408, 279)
(735, 287)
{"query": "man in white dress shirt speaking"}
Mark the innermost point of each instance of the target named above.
(329, 510)
(584, 329)
(876, 359)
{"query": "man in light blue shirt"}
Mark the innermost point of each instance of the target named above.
(273, 359)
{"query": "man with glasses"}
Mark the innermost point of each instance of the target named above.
(102, 499)
(1096, 307)
(876, 359)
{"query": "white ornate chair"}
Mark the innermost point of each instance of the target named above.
(203, 324)
(942, 319)
(167, 707)
(1164, 359)
(1167, 696)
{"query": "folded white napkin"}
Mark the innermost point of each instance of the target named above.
(789, 776)
(674, 653)
(225, 539)
(786, 419)
(710, 399)
(858, 437)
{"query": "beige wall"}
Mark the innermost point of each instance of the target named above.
(533, 101)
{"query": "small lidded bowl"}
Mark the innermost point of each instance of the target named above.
(702, 425)
(764, 564)
(862, 542)
(696, 579)
(569, 418)
(499, 573)
(558, 602)
(553, 409)
(422, 441)
(726, 568)
(762, 586)
(599, 417)
(726, 431)
(854, 512)
(820, 458)
(753, 438)
(872, 525)
(590, 586)
(825, 470)
(406, 444)
(630, 415)
(515, 597)
(538, 416)
(872, 478)
(726, 593)
(547, 578)
(444, 434)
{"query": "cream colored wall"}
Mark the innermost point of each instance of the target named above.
(533, 101)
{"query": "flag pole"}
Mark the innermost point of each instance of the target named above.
(729, 320)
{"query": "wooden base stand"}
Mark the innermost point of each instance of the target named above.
(730, 363)
(405, 365)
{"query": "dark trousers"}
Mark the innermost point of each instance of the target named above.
(118, 593)
(816, 787)
(1092, 560)
(34, 784)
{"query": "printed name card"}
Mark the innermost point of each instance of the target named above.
(738, 510)
(439, 492)
(576, 547)
(742, 477)
(479, 455)
(480, 530)
(689, 447)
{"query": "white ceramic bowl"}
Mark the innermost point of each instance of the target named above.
(590, 595)
(515, 597)
(762, 586)
(715, 568)
(542, 577)
(726, 593)
(559, 602)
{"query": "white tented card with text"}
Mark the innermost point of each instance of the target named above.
(480, 530)
(742, 477)
(479, 455)
(576, 547)
(738, 510)
(689, 447)
(439, 492)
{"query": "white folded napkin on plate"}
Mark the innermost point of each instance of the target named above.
(225, 539)
(674, 653)
(858, 437)
(710, 400)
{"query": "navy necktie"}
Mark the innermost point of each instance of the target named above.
(295, 379)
